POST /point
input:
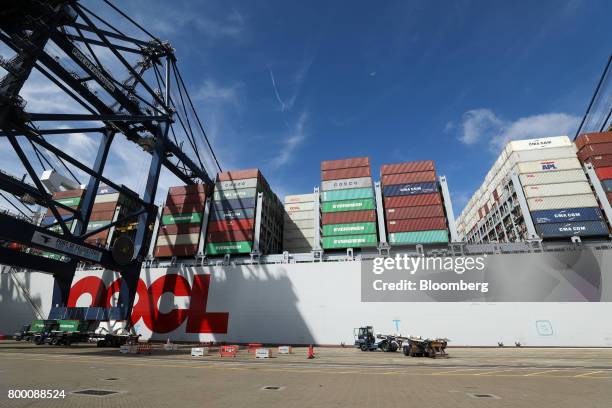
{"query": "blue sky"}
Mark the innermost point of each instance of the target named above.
(283, 85)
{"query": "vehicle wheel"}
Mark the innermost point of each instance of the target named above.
(406, 351)
(101, 343)
(384, 346)
(38, 341)
(363, 347)
(393, 347)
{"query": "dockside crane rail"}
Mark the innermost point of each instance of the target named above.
(120, 84)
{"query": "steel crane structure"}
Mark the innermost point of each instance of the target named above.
(81, 54)
(598, 116)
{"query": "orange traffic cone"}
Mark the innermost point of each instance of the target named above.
(311, 353)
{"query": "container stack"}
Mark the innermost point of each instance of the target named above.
(559, 198)
(596, 148)
(348, 205)
(231, 228)
(69, 198)
(107, 203)
(181, 223)
(414, 209)
(299, 223)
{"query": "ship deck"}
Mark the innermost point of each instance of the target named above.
(516, 377)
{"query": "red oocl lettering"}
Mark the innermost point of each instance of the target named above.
(146, 305)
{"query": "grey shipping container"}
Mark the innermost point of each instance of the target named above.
(236, 204)
(232, 214)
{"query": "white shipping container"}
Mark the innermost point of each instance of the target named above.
(549, 190)
(181, 239)
(106, 198)
(300, 207)
(299, 215)
(548, 165)
(298, 233)
(560, 202)
(537, 144)
(342, 184)
(236, 184)
(293, 224)
(543, 154)
(553, 177)
(299, 198)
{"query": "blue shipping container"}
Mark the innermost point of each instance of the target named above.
(568, 229)
(239, 214)
(607, 185)
(567, 215)
(235, 204)
(409, 189)
(51, 219)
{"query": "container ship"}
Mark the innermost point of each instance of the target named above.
(231, 262)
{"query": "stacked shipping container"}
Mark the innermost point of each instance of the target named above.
(557, 193)
(596, 148)
(347, 204)
(299, 224)
(231, 228)
(108, 206)
(181, 223)
(414, 210)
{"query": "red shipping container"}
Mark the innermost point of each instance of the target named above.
(345, 163)
(230, 236)
(404, 213)
(185, 198)
(190, 189)
(60, 210)
(184, 208)
(231, 225)
(68, 193)
(413, 200)
(594, 150)
(601, 161)
(104, 206)
(418, 224)
(345, 173)
(102, 216)
(405, 178)
(238, 174)
(604, 173)
(407, 167)
(182, 228)
(176, 250)
(345, 217)
(593, 138)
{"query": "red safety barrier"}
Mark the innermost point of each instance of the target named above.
(4, 337)
(145, 348)
(228, 351)
(311, 352)
(254, 346)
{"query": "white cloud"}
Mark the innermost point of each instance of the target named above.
(291, 142)
(210, 91)
(483, 125)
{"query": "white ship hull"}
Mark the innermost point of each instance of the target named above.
(318, 303)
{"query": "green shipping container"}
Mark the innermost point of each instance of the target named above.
(350, 241)
(419, 237)
(58, 229)
(347, 194)
(233, 194)
(188, 218)
(222, 248)
(348, 205)
(37, 326)
(70, 202)
(349, 229)
(72, 325)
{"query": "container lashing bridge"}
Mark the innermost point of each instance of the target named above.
(83, 55)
